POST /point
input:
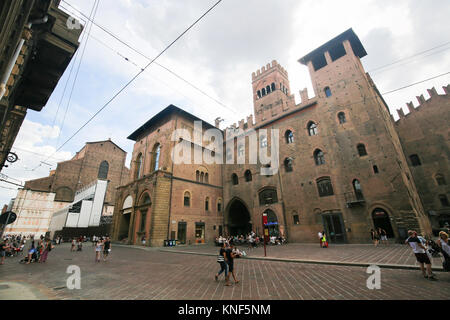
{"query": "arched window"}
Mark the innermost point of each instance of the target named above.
(219, 205)
(234, 179)
(327, 91)
(268, 196)
(268, 89)
(375, 169)
(324, 187)
(273, 86)
(207, 204)
(248, 175)
(103, 170)
(288, 164)
(202, 176)
(312, 129)
(263, 92)
(361, 150)
(155, 158)
(296, 218)
(341, 117)
(358, 190)
(319, 157)
(440, 180)
(289, 135)
(415, 160)
(206, 178)
(259, 94)
(138, 171)
(263, 142)
(197, 176)
(145, 200)
(187, 199)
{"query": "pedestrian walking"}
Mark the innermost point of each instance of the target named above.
(98, 250)
(324, 240)
(106, 248)
(383, 236)
(31, 252)
(230, 261)
(375, 237)
(48, 246)
(74, 243)
(420, 252)
(222, 260)
(3, 247)
(445, 249)
(320, 235)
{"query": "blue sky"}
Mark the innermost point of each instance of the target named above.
(218, 55)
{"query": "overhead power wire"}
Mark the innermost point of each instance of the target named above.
(406, 58)
(135, 77)
(149, 59)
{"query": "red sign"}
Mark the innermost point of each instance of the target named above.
(264, 219)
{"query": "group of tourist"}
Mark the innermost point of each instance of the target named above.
(251, 239)
(379, 235)
(422, 250)
(102, 245)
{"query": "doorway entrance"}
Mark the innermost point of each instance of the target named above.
(381, 220)
(124, 225)
(272, 223)
(334, 227)
(238, 219)
(182, 232)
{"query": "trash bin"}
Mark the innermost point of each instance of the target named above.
(172, 243)
(166, 243)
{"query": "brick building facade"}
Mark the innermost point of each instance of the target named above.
(40, 198)
(424, 135)
(341, 164)
(167, 200)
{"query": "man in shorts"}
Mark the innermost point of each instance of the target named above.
(421, 254)
(106, 248)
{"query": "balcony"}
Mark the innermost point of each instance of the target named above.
(353, 199)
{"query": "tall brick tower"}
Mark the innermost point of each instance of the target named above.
(271, 91)
(360, 136)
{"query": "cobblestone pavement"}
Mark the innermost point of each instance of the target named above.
(133, 273)
(393, 254)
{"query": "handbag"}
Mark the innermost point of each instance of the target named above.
(220, 259)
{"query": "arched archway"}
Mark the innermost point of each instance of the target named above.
(125, 217)
(381, 220)
(239, 221)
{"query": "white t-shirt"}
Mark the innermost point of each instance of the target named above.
(414, 243)
(320, 235)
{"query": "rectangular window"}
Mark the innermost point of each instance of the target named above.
(319, 62)
(325, 187)
(337, 52)
(200, 230)
(296, 219)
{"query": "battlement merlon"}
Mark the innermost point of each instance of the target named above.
(421, 99)
(268, 68)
